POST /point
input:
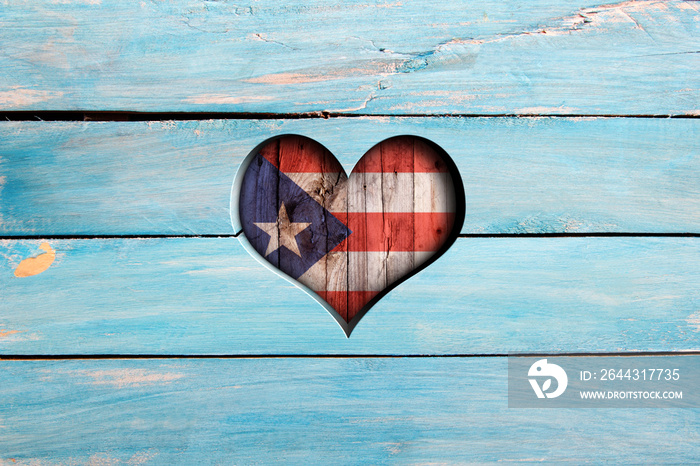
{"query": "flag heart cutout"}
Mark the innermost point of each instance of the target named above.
(347, 241)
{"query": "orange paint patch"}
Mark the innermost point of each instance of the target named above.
(121, 378)
(694, 321)
(312, 76)
(38, 264)
(21, 97)
(223, 99)
(288, 78)
(4, 333)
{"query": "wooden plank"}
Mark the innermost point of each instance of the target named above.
(287, 221)
(318, 411)
(521, 175)
(541, 57)
(485, 295)
(299, 228)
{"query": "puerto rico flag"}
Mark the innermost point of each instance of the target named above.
(347, 239)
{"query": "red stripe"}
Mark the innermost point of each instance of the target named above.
(299, 154)
(402, 154)
(395, 231)
(347, 303)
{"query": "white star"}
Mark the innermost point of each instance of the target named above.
(282, 231)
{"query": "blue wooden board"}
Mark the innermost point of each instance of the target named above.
(521, 175)
(485, 295)
(611, 167)
(524, 57)
(319, 411)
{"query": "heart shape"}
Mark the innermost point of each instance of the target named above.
(347, 241)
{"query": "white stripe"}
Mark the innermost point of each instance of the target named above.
(434, 192)
(401, 192)
(381, 192)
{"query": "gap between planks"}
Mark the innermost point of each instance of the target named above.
(61, 115)
(461, 235)
(58, 357)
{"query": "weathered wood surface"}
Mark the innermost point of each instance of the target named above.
(485, 295)
(347, 239)
(322, 411)
(194, 296)
(521, 175)
(541, 57)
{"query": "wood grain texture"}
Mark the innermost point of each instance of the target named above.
(344, 249)
(297, 175)
(209, 296)
(330, 411)
(541, 57)
(521, 175)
